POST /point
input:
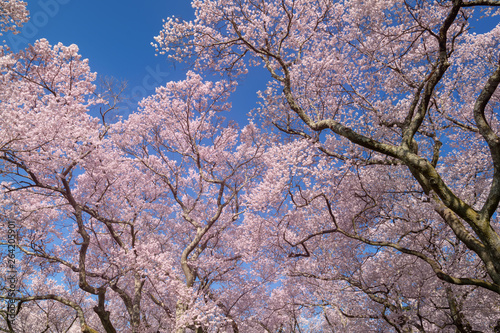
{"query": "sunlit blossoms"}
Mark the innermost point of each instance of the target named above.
(361, 196)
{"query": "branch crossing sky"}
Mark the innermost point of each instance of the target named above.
(116, 37)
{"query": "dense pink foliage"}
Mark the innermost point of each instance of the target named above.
(362, 196)
(13, 13)
(390, 198)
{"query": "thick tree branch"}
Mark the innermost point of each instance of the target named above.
(493, 141)
(81, 316)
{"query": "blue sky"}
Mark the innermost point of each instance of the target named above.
(116, 37)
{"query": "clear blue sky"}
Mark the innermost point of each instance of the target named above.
(116, 35)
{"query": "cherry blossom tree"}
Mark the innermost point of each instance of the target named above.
(123, 227)
(13, 14)
(45, 132)
(200, 163)
(346, 284)
(396, 105)
(362, 195)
